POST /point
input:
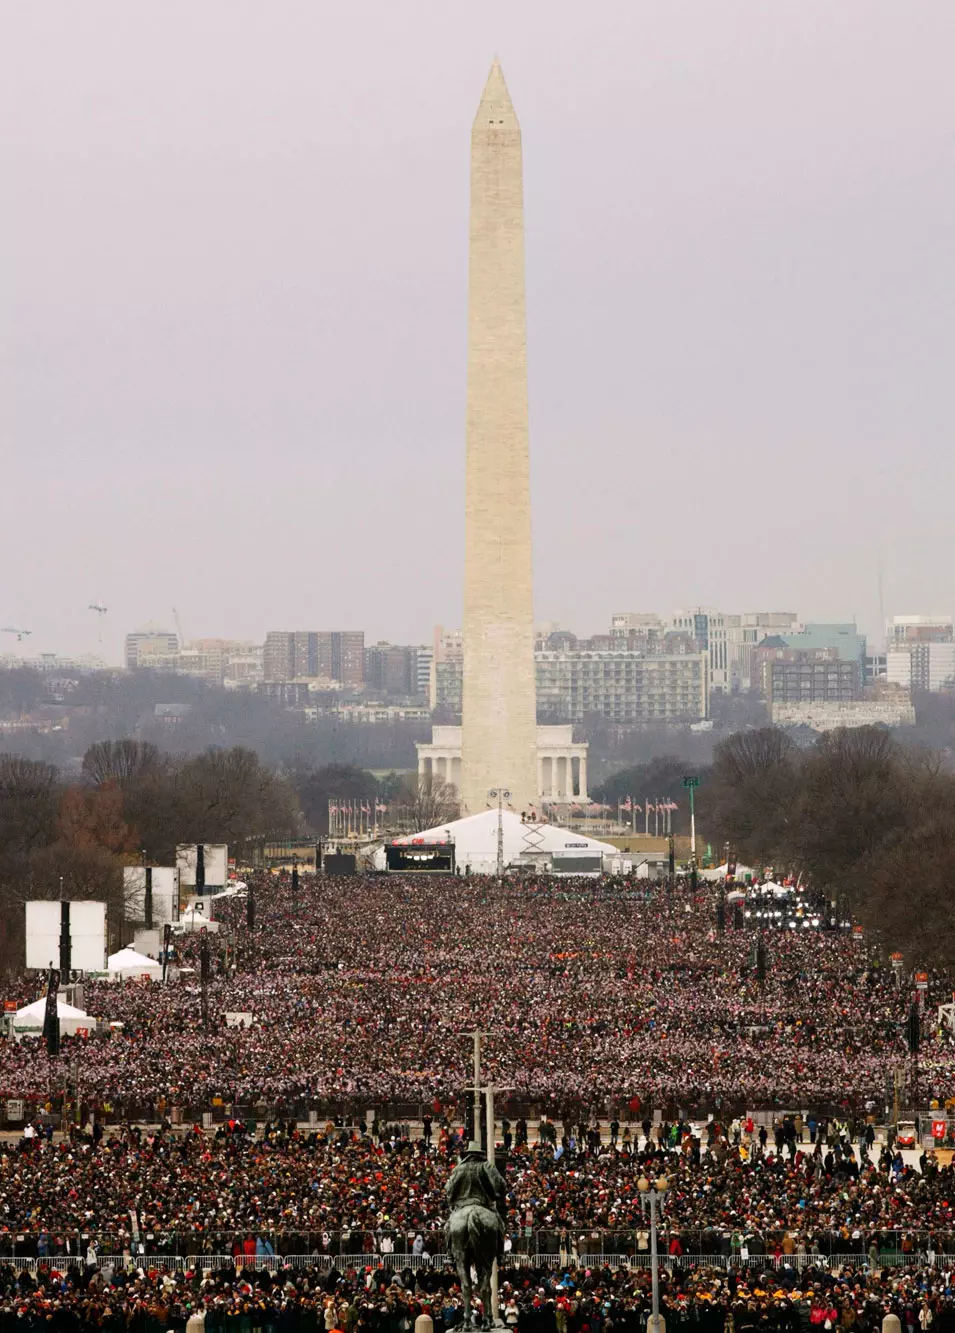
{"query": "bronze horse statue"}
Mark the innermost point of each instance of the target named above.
(475, 1230)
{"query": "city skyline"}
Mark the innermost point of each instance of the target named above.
(224, 319)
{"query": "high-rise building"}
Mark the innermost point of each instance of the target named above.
(392, 669)
(499, 726)
(920, 652)
(424, 664)
(278, 656)
(925, 666)
(743, 633)
(337, 655)
(708, 628)
(822, 678)
(901, 631)
(621, 686)
(143, 646)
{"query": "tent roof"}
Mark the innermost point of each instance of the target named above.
(129, 958)
(475, 839)
(38, 1010)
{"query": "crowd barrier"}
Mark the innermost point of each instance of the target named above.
(370, 1247)
(402, 1262)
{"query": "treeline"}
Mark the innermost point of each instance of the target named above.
(71, 839)
(857, 814)
(105, 704)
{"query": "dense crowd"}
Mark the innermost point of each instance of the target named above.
(564, 1300)
(287, 1190)
(591, 993)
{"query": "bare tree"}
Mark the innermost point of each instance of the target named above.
(121, 762)
(426, 803)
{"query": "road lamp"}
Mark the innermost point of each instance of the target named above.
(651, 1200)
(500, 794)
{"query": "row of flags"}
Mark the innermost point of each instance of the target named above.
(356, 808)
(651, 807)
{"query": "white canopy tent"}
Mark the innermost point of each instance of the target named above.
(129, 963)
(475, 845)
(28, 1021)
(719, 872)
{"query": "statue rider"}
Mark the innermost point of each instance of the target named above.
(474, 1232)
(476, 1180)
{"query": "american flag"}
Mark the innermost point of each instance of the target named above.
(627, 804)
(380, 808)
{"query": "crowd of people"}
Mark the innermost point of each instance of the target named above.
(592, 994)
(614, 1014)
(287, 1190)
(369, 1299)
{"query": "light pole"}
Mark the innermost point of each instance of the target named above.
(691, 784)
(651, 1199)
(500, 794)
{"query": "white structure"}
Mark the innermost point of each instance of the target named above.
(28, 1021)
(215, 861)
(87, 932)
(824, 716)
(544, 846)
(143, 646)
(164, 882)
(903, 630)
(921, 666)
(561, 763)
(499, 715)
(129, 964)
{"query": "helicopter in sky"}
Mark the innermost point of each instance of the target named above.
(20, 633)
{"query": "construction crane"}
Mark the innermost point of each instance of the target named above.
(100, 609)
(20, 633)
(175, 616)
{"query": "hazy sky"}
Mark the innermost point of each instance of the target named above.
(233, 308)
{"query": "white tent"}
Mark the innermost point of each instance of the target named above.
(28, 1021)
(129, 962)
(719, 872)
(194, 918)
(475, 845)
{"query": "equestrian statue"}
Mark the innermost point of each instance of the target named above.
(475, 1230)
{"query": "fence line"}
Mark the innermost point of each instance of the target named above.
(275, 1263)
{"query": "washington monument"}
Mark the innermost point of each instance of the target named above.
(499, 734)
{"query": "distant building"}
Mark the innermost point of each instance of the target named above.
(743, 633)
(709, 629)
(447, 670)
(337, 655)
(424, 665)
(874, 668)
(143, 645)
(817, 679)
(903, 631)
(928, 666)
(372, 713)
(920, 652)
(214, 660)
(53, 662)
(392, 669)
(621, 686)
(828, 716)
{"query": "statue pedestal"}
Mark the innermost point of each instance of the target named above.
(424, 1324)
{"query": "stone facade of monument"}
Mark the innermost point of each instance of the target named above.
(499, 730)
